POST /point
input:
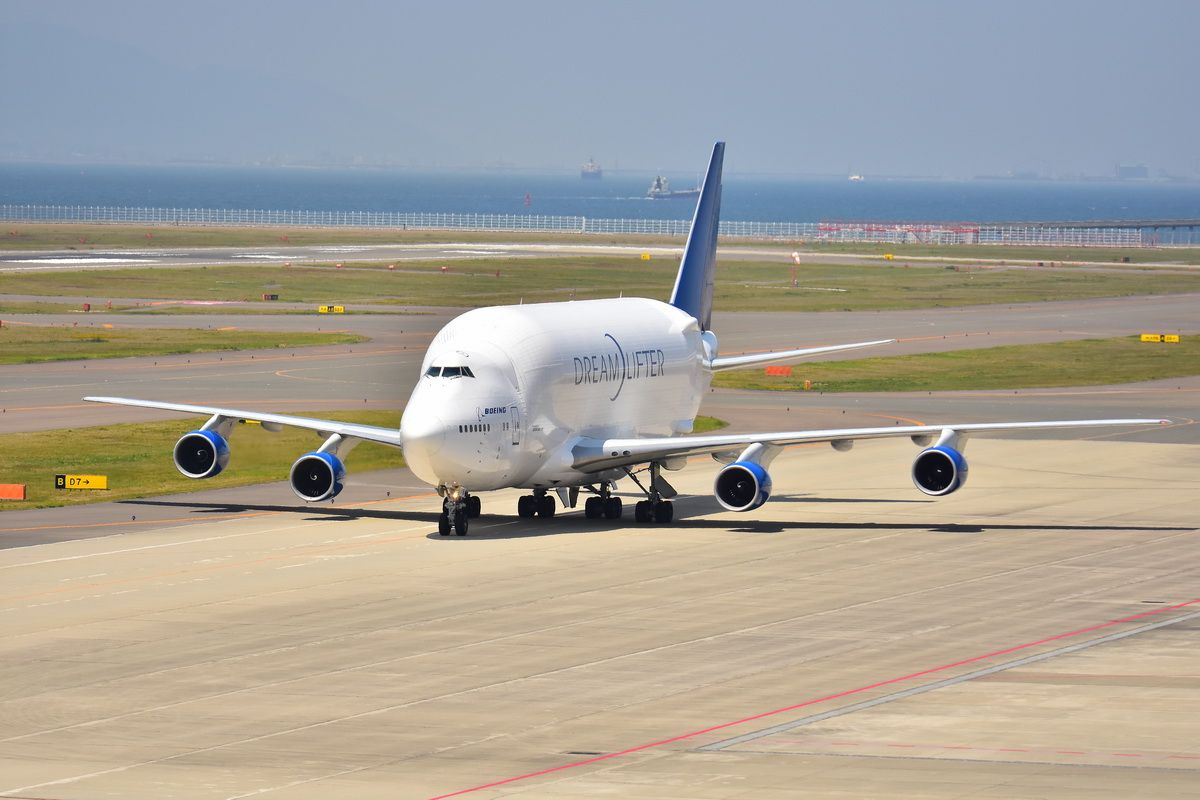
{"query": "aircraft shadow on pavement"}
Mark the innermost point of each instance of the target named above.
(808, 498)
(324, 512)
(693, 514)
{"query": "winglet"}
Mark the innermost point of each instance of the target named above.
(694, 284)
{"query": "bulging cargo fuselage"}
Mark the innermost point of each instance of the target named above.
(506, 392)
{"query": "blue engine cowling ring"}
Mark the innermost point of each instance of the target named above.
(201, 454)
(742, 486)
(317, 476)
(939, 470)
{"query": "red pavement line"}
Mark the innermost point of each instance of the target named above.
(890, 681)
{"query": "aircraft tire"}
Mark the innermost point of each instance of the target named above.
(474, 506)
(545, 507)
(444, 525)
(460, 525)
(612, 508)
(642, 512)
(664, 512)
(526, 506)
(593, 508)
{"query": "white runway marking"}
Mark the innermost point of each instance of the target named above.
(74, 261)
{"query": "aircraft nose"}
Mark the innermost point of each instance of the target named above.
(424, 434)
(423, 430)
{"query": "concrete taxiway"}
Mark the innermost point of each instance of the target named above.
(1034, 635)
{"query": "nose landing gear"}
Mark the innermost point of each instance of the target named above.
(457, 511)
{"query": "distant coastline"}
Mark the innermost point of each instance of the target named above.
(622, 194)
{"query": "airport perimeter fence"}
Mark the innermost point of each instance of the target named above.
(894, 233)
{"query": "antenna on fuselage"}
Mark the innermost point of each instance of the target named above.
(693, 291)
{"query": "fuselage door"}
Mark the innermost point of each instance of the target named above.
(514, 422)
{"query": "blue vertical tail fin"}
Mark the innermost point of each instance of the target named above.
(694, 284)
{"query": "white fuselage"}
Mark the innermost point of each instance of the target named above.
(541, 377)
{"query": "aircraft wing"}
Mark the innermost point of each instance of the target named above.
(593, 455)
(734, 362)
(326, 427)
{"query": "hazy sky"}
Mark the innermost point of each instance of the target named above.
(954, 88)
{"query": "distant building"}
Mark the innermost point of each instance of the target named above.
(1128, 172)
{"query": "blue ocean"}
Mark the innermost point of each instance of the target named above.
(617, 195)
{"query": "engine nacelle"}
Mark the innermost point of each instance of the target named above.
(742, 486)
(201, 454)
(317, 476)
(939, 470)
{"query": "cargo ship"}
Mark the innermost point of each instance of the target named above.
(660, 189)
(591, 171)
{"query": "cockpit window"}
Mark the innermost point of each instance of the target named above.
(449, 372)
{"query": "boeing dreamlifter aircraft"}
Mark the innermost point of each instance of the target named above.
(570, 397)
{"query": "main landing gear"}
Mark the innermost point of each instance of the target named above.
(655, 508)
(539, 503)
(456, 511)
(603, 504)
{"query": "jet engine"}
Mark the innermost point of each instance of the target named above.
(742, 486)
(317, 476)
(201, 454)
(939, 470)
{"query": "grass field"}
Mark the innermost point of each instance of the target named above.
(170, 308)
(703, 424)
(137, 457)
(40, 307)
(1089, 362)
(27, 344)
(741, 285)
(46, 236)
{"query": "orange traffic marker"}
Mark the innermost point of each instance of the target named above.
(12, 491)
